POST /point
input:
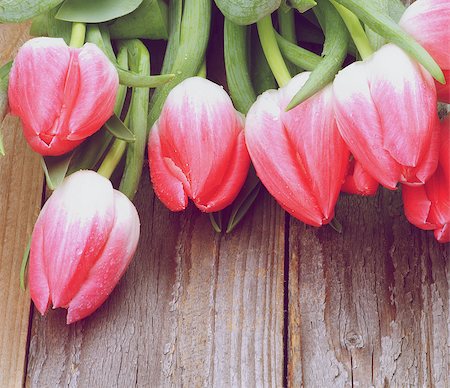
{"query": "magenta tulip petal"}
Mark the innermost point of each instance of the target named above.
(408, 136)
(79, 229)
(391, 142)
(359, 124)
(428, 206)
(299, 155)
(234, 177)
(417, 206)
(61, 94)
(313, 129)
(111, 263)
(95, 102)
(167, 178)
(275, 159)
(358, 181)
(196, 148)
(428, 22)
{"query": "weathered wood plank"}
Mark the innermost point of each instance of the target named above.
(369, 307)
(20, 200)
(194, 309)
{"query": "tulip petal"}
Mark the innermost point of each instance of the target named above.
(37, 271)
(98, 83)
(405, 96)
(167, 178)
(228, 189)
(111, 263)
(443, 91)
(428, 22)
(360, 125)
(358, 181)
(75, 223)
(313, 129)
(195, 147)
(36, 91)
(276, 160)
(417, 206)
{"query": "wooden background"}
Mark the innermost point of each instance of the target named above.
(276, 303)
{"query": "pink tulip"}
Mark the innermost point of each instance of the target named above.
(358, 181)
(196, 149)
(61, 94)
(386, 110)
(428, 206)
(428, 22)
(82, 243)
(299, 155)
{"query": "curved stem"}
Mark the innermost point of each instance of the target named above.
(272, 51)
(356, 30)
(112, 159)
(78, 35)
(202, 70)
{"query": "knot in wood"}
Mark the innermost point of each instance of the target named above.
(353, 340)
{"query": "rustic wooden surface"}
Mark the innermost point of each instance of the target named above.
(274, 304)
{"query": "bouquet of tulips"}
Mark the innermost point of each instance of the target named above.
(326, 96)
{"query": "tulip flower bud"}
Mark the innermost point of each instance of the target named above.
(61, 94)
(299, 155)
(82, 243)
(358, 181)
(386, 110)
(428, 206)
(428, 22)
(196, 149)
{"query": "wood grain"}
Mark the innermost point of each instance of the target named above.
(20, 200)
(194, 309)
(369, 307)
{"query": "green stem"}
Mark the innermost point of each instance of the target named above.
(287, 25)
(78, 35)
(202, 71)
(356, 30)
(113, 158)
(272, 51)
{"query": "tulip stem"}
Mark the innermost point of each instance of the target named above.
(202, 70)
(78, 35)
(113, 158)
(272, 51)
(356, 30)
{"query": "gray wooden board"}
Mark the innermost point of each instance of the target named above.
(369, 307)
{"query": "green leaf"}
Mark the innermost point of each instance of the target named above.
(4, 73)
(245, 12)
(236, 66)
(118, 129)
(389, 29)
(336, 225)
(216, 221)
(148, 21)
(19, 10)
(297, 55)
(244, 200)
(302, 5)
(335, 51)
(24, 265)
(95, 11)
(55, 169)
(47, 25)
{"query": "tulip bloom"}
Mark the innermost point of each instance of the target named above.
(61, 94)
(428, 206)
(358, 181)
(299, 155)
(196, 149)
(82, 243)
(386, 110)
(428, 22)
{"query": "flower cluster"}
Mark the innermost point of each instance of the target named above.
(86, 108)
